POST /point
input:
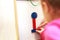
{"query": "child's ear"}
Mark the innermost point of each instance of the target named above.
(45, 7)
(45, 10)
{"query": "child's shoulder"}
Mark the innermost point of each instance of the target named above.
(53, 23)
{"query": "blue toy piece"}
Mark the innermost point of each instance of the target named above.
(34, 15)
(33, 31)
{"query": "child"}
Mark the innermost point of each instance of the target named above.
(51, 10)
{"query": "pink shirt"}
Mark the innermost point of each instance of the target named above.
(51, 31)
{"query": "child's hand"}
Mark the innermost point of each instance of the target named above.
(41, 27)
(43, 23)
(40, 31)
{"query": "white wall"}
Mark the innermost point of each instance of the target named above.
(24, 9)
(7, 20)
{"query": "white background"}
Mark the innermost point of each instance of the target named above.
(7, 20)
(24, 10)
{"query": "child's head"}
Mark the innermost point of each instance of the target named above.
(51, 9)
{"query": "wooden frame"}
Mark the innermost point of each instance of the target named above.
(16, 20)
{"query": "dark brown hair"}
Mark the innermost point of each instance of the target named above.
(53, 3)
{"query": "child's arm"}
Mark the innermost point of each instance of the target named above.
(52, 33)
(43, 23)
